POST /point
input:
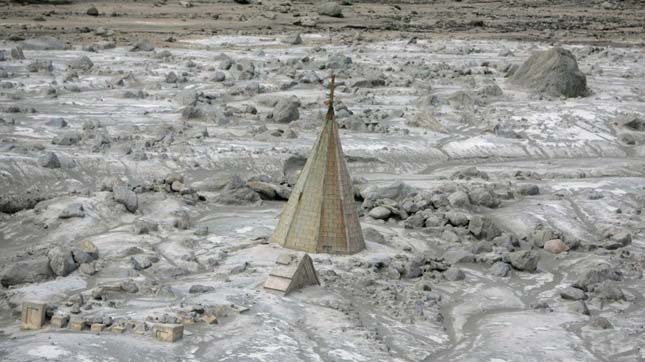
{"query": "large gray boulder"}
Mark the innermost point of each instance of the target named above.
(61, 261)
(81, 63)
(524, 260)
(49, 160)
(331, 8)
(123, 195)
(32, 270)
(554, 72)
(286, 110)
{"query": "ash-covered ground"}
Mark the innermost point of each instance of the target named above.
(500, 195)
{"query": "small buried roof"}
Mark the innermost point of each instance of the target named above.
(321, 215)
(292, 273)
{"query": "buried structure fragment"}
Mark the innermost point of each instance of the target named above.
(33, 315)
(292, 273)
(321, 216)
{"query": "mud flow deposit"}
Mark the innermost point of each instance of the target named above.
(150, 199)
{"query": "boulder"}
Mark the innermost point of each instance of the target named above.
(92, 11)
(454, 274)
(571, 293)
(380, 213)
(198, 289)
(331, 8)
(81, 63)
(17, 53)
(595, 274)
(483, 227)
(67, 139)
(294, 39)
(142, 46)
(524, 260)
(61, 261)
(455, 256)
(554, 72)
(500, 269)
(140, 262)
(459, 199)
(617, 239)
(286, 110)
(88, 247)
(58, 122)
(49, 160)
(372, 234)
(457, 218)
(72, 210)
(31, 270)
(123, 195)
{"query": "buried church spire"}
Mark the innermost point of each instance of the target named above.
(321, 215)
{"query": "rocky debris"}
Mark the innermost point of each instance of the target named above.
(43, 43)
(32, 269)
(81, 63)
(609, 291)
(142, 46)
(571, 293)
(459, 199)
(372, 234)
(61, 261)
(600, 323)
(92, 11)
(554, 72)
(500, 269)
(140, 262)
(524, 260)
(483, 227)
(199, 289)
(125, 196)
(145, 227)
(454, 274)
(294, 39)
(72, 210)
(616, 239)
(468, 174)
(555, 246)
(528, 189)
(456, 256)
(236, 192)
(17, 53)
(269, 191)
(182, 220)
(286, 110)
(483, 197)
(331, 8)
(40, 66)
(49, 160)
(67, 139)
(380, 213)
(591, 275)
(56, 122)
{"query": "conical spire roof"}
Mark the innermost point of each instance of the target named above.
(321, 215)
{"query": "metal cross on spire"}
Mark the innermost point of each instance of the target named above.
(330, 111)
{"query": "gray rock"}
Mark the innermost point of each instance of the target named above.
(580, 306)
(396, 191)
(380, 213)
(142, 46)
(450, 236)
(56, 123)
(82, 63)
(123, 195)
(31, 270)
(286, 110)
(72, 210)
(528, 189)
(482, 247)
(67, 139)
(571, 293)
(457, 218)
(88, 268)
(483, 227)
(524, 260)
(294, 39)
(182, 221)
(617, 240)
(92, 11)
(140, 262)
(607, 290)
(593, 275)
(455, 256)
(413, 269)
(89, 248)
(49, 160)
(61, 261)
(554, 72)
(372, 234)
(459, 199)
(500, 269)
(454, 274)
(81, 257)
(198, 289)
(17, 53)
(45, 66)
(483, 197)
(43, 43)
(145, 227)
(331, 8)
(600, 323)
(219, 76)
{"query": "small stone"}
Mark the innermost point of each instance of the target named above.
(459, 199)
(601, 323)
(49, 160)
(72, 210)
(198, 289)
(380, 213)
(140, 262)
(331, 8)
(125, 196)
(500, 269)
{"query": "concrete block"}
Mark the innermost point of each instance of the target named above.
(97, 327)
(168, 332)
(59, 321)
(210, 319)
(33, 315)
(77, 325)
